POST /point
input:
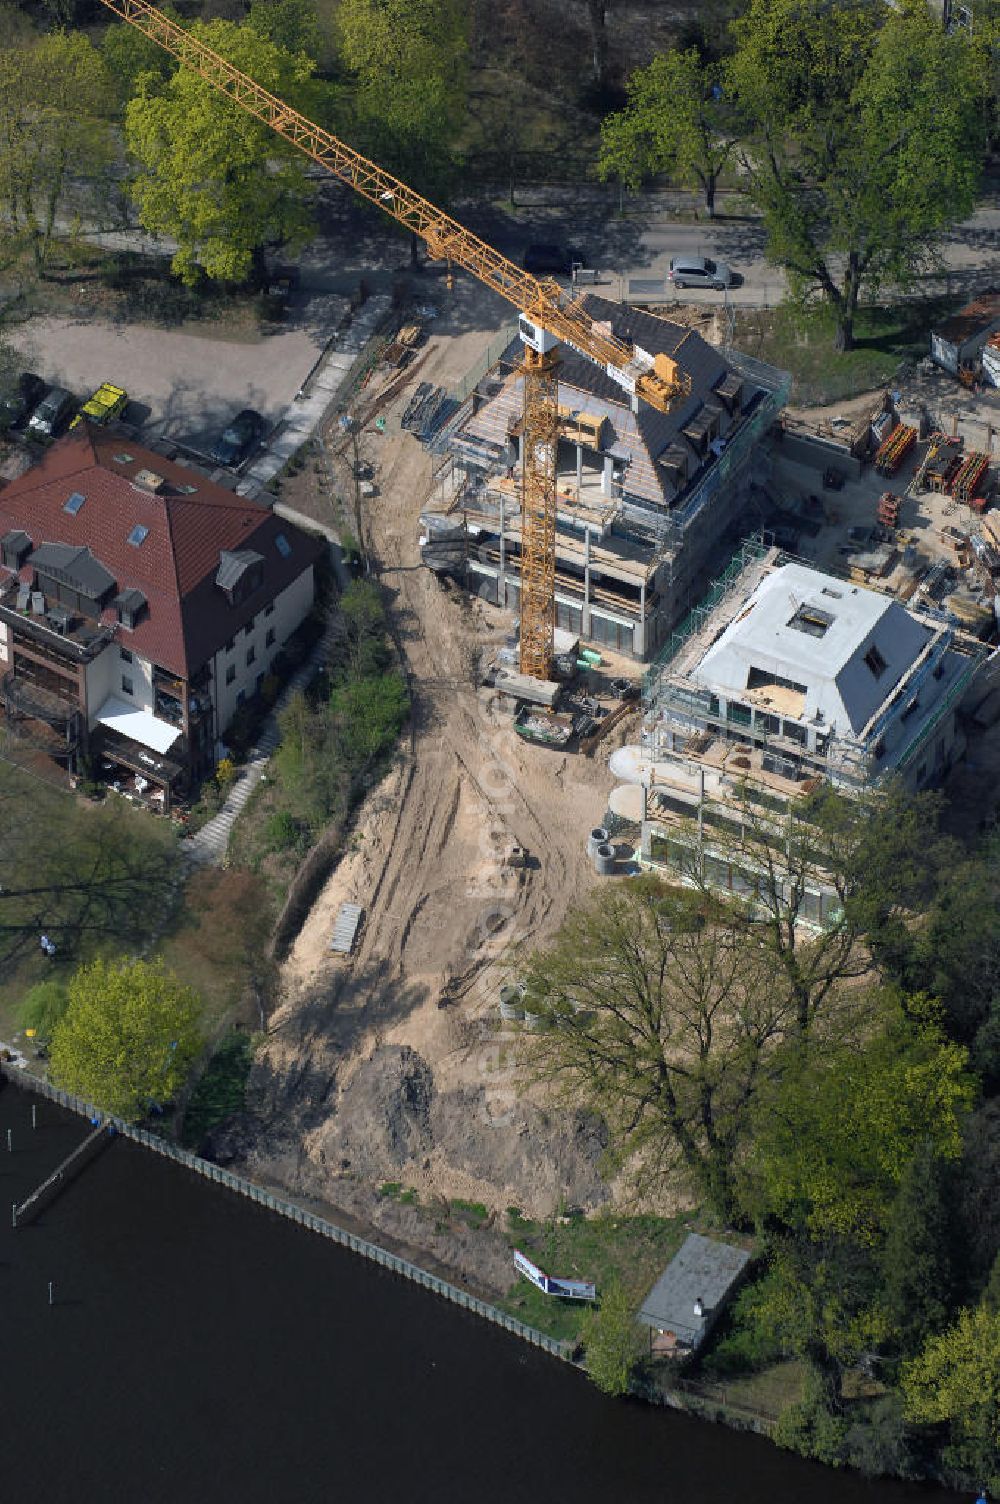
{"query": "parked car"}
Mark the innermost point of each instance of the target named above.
(107, 402)
(699, 271)
(552, 259)
(21, 401)
(51, 413)
(235, 442)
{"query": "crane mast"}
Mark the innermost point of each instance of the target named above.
(547, 316)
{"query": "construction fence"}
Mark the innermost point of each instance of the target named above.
(284, 1208)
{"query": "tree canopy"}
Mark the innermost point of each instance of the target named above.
(215, 179)
(678, 120)
(128, 1037)
(56, 97)
(956, 1380)
(408, 59)
(863, 138)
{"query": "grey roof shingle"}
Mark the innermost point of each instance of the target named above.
(703, 1269)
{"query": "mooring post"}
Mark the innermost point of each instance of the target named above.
(10, 1146)
(34, 1117)
(13, 1214)
(51, 1301)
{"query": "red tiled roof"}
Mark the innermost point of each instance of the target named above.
(189, 617)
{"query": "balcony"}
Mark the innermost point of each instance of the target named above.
(26, 697)
(59, 631)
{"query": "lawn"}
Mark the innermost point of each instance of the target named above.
(218, 945)
(886, 340)
(632, 1250)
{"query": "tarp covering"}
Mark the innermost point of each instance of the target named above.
(138, 725)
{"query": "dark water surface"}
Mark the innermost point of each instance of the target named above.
(202, 1348)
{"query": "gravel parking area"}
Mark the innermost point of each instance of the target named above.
(182, 385)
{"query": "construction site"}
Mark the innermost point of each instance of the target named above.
(549, 508)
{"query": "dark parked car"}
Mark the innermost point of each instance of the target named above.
(52, 413)
(552, 259)
(20, 403)
(235, 442)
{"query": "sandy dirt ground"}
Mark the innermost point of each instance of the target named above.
(391, 1066)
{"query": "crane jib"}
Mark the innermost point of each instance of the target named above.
(445, 237)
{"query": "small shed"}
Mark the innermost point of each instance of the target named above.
(959, 340)
(691, 1294)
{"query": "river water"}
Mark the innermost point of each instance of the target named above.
(201, 1348)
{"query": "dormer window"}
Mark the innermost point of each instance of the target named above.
(240, 573)
(130, 607)
(15, 548)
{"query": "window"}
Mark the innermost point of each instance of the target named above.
(812, 620)
(269, 639)
(269, 609)
(878, 751)
(911, 707)
(73, 505)
(126, 656)
(231, 673)
(738, 715)
(248, 629)
(241, 697)
(283, 546)
(231, 643)
(251, 655)
(875, 662)
(138, 535)
(127, 684)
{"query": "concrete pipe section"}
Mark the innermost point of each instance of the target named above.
(598, 837)
(605, 859)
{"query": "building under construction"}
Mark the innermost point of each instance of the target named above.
(783, 680)
(644, 497)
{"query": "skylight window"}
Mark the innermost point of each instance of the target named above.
(283, 546)
(812, 620)
(875, 662)
(122, 458)
(138, 535)
(74, 503)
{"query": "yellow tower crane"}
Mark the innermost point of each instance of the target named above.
(548, 316)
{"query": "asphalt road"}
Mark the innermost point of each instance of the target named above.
(187, 383)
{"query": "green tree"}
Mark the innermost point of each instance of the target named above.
(370, 713)
(838, 1126)
(290, 24)
(918, 1259)
(55, 99)
(128, 1037)
(955, 1381)
(612, 1341)
(408, 59)
(215, 179)
(863, 140)
(128, 54)
(678, 120)
(664, 1020)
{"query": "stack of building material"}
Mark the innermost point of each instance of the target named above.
(887, 510)
(893, 450)
(970, 478)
